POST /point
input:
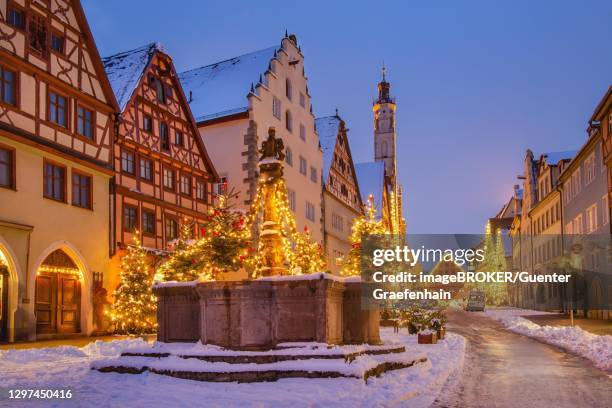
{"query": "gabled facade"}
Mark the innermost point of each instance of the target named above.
(163, 175)
(56, 155)
(342, 201)
(237, 100)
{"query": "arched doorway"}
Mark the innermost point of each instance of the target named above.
(4, 306)
(58, 295)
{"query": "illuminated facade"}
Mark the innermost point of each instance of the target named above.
(56, 149)
(163, 176)
(388, 196)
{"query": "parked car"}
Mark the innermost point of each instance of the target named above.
(475, 302)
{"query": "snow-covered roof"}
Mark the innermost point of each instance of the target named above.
(327, 128)
(221, 89)
(553, 158)
(371, 179)
(125, 69)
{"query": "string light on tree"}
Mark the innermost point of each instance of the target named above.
(363, 226)
(134, 309)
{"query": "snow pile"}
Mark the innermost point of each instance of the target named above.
(597, 349)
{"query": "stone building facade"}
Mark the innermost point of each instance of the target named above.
(237, 100)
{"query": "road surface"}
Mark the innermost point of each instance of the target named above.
(504, 369)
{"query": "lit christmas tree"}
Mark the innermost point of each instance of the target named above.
(134, 309)
(307, 256)
(495, 261)
(280, 248)
(363, 226)
(224, 246)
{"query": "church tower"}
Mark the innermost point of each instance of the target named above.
(384, 128)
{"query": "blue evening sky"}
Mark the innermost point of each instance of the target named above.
(476, 82)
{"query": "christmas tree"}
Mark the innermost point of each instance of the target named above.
(307, 256)
(363, 226)
(134, 309)
(223, 246)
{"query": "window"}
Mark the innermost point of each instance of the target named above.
(147, 123)
(288, 121)
(8, 86)
(276, 108)
(577, 226)
(222, 185)
(58, 43)
(591, 219)
(313, 175)
(303, 166)
(163, 136)
(148, 222)
(81, 190)
(130, 218)
(291, 199)
(288, 90)
(289, 156)
(186, 184)
(302, 132)
(128, 162)
(589, 169)
(58, 109)
(146, 169)
(201, 190)
(576, 182)
(55, 182)
(85, 124)
(16, 18)
(37, 33)
(179, 138)
(171, 229)
(302, 100)
(7, 168)
(160, 89)
(169, 179)
(605, 210)
(337, 222)
(310, 211)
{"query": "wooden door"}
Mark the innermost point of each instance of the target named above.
(46, 303)
(69, 302)
(3, 304)
(58, 303)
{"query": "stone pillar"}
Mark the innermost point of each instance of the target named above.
(271, 171)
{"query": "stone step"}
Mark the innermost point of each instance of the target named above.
(265, 358)
(220, 372)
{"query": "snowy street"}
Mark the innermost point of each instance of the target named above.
(504, 369)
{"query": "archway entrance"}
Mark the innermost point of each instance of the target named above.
(58, 295)
(4, 309)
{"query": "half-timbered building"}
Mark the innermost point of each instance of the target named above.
(56, 155)
(163, 175)
(342, 201)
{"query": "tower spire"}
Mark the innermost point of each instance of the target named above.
(384, 72)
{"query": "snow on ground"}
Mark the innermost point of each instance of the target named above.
(596, 348)
(69, 367)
